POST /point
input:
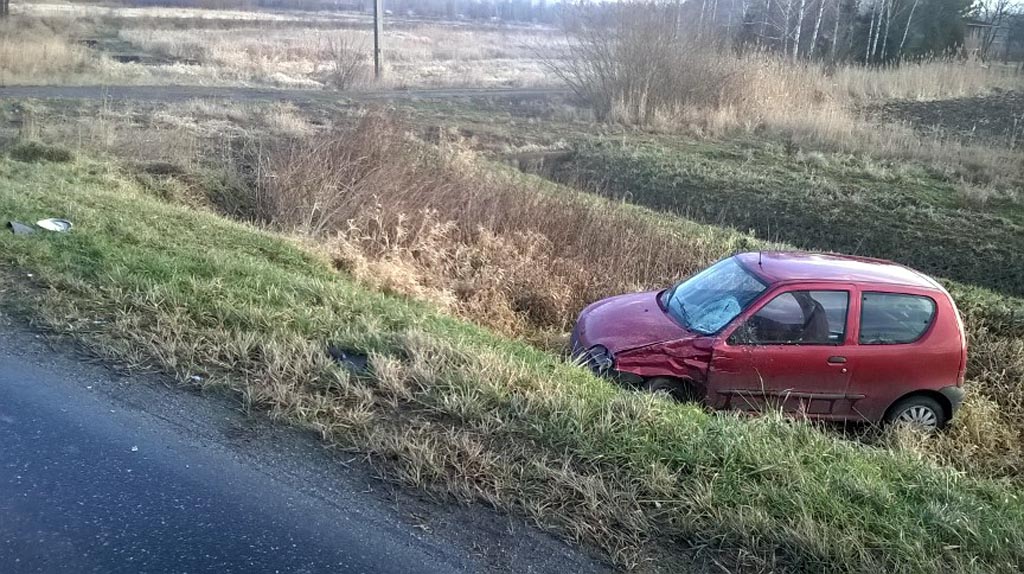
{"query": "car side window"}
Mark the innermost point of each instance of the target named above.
(797, 318)
(894, 318)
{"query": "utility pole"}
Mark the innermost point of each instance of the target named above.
(378, 33)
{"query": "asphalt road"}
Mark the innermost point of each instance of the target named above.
(186, 93)
(101, 473)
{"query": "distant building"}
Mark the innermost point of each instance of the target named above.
(1002, 41)
(981, 38)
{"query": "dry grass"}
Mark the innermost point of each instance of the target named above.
(33, 50)
(422, 56)
(442, 226)
(194, 46)
(184, 15)
(764, 95)
(986, 440)
(928, 80)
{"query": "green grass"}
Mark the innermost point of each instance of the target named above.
(819, 201)
(455, 409)
(30, 151)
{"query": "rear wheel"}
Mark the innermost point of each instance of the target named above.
(685, 391)
(918, 411)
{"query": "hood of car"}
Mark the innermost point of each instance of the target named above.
(626, 322)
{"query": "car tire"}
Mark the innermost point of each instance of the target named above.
(920, 410)
(683, 391)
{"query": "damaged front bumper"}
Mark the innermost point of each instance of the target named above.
(600, 361)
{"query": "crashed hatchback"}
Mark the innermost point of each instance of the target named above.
(824, 336)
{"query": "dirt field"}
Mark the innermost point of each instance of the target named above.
(997, 119)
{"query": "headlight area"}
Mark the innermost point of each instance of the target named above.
(601, 362)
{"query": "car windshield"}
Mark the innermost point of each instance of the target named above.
(706, 302)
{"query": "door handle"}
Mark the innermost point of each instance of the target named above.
(837, 360)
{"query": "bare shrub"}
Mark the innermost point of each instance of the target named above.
(637, 63)
(435, 224)
(346, 64)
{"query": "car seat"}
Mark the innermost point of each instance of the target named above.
(815, 329)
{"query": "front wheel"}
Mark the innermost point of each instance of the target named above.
(684, 391)
(919, 411)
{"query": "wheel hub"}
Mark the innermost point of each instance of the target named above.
(919, 416)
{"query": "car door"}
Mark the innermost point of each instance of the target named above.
(786, 351)
(901, 345)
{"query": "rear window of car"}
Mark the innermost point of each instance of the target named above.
(894, 318)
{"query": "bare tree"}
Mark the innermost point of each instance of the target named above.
(835, 30)
(871, 31)
(888, 21)
(1015, 36)
(346, 67)
(993, 13)
(764, 19)
(632, 62)
(787, 17)
(798, 28)
(906, 29)
(878, 29)
(817, 26)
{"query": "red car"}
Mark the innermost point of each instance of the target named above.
(824, 336)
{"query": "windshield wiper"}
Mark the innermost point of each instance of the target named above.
(683, 315)
(669, 294)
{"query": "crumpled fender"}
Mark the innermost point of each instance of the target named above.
(682, 359)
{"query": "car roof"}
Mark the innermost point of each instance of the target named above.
(779, 266)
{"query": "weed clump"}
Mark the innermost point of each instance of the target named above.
(33, 151)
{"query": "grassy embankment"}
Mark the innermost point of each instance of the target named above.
(522, 256)
(453, 408)
(855, 205)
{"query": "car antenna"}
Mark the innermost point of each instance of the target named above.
(759, 258)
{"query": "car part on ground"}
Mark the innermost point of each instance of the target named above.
(18, 228)
(49, 224)
(55, 224)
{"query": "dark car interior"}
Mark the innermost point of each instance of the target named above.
(891, 318)
(794, 318)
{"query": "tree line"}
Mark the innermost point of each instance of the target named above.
(870, 31)
(867, 31)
